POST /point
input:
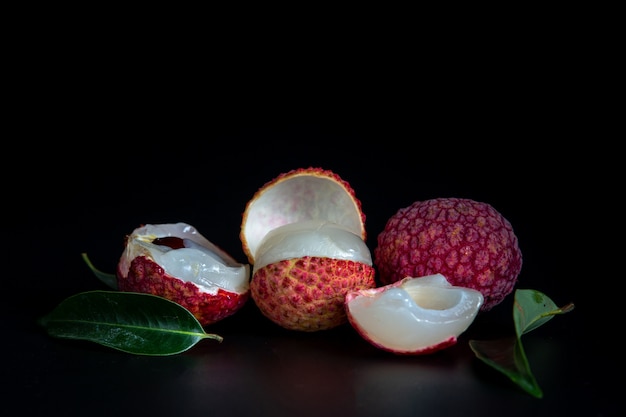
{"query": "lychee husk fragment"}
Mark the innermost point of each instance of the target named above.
(301, 194)
(176, 262)
(304, 234)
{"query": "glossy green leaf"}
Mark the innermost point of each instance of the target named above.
(136, 323)
(531, 309)
(109, 279)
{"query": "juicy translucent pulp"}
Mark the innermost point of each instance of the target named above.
(202, 268)
(200, 261)
(419, 313)
(314, 238)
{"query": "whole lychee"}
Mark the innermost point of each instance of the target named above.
(413, 316)
(304, 234)
(176, 262)
(469, 242)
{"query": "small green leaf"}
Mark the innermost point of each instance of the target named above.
(507, 356)
(136, 323)
(531, 309)
(108, 279)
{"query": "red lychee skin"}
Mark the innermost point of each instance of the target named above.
(308, 293)
(146, 276)
(467, 241)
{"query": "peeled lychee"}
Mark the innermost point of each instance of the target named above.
(304, 234)
(467, 241)
(176, 262)
(413, 316)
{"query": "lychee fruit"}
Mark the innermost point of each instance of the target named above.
(413, 316)
(176, 262)
(304, 234)
(467, 241)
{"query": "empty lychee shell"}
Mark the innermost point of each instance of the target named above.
(176, 262)
(299, 195)
(413, 316)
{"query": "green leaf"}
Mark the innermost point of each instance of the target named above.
(531, 309)
(136, 323)
(108, 279)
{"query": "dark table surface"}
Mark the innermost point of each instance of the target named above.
(86, 198)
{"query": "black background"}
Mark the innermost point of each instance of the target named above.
(108, 160)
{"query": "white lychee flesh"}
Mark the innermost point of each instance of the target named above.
(200, 261)
(414, 315)
(314, 238)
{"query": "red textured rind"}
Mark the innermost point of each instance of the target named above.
(146, 276)
(308, 293)
(469, 242)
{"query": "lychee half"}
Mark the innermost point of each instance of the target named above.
(413, 316)
(469, 242)
(176, 262)
(304, 233)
